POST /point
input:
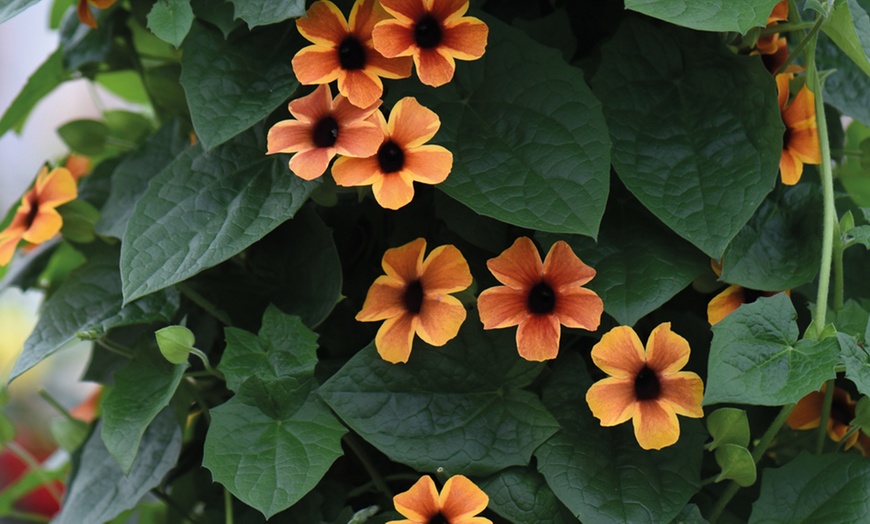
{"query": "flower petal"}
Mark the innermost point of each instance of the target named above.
(683, 392)
(666, 351)
(311, 164)
(790, 168)
(359, 139)
(440, 319)
(619, 353)
(289, 136)
(804, 145)
(345, 112)
(361, 86)
(460, 498)
(434, 66)
(579, 308)
(801, 110)
(564, 269)
(501, 307)
(405, 10)
(395, 337)
(405, 263)
(399, 67)
(782, 81)
(9, 240)
(538, 337)
(420, 503)
(83, 10)
(392, 39)
(312, 107)
(349, 172)
(429, 164)
(58, 187)
(323, 24)
(655, 425)
(385, 299)
(411, 124)
(465, 39)
(445, 10)
(518, 266)
(393, 190)
(724, 304)
(46, 224)
(808, 412)
(445, 270)
(316, 65)
(363, 16)
(612, 400)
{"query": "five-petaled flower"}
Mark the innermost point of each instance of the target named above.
(807, 414)
(459, 503)
(343, 51)
(401, 159)
(323, 128)
(645, 385)
(539, 297)
(36, 219)
(413, 297)
(84, 10)
(434, 32)
(800, 143)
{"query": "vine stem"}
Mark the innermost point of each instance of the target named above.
(822, 432)
(366, 462)
(36, 467)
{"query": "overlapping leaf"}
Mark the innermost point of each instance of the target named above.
(707, 15)
(847, 86)
(263, 12)
(848, 25)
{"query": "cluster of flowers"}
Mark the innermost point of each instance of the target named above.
(381, 39)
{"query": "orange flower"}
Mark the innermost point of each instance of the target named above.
(807, 414)
(779, 54)
(732, 298)
(84, 10)
(78, 165)
(458, 503)
(769, 44)
(344, 52)
(36, 219)
(434, 32)
(413, 297)
(322, 129)
(402, 157)
(540, 298)
(800, 143)
(645, 385)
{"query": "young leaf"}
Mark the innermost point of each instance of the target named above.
(709, 15)
(857, 361)
(175, 343)
(737, 464)
(728, 426)
(170, 20)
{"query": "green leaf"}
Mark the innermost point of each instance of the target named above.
(69, 433)
(87, 137)
(90, 300)
(696, 130)
(737, 464)
(204, 208)
(24, 484)
(728, 426)
(42, 82)
(756, 357)
(175, 343)
(99, 491)
(779, 247)
(861, 235)
(528, 138)
(815, 488)
(602, 474)
(851, 319)
(10, 8)
(522, 495)
(848, 25)
(84, 47)
(232, 84)
(170, 20)
(640, 265)
(707, 15)
(846, 88)
(857, 360)
(7, 430)
(264, 12)
(127, 84)
(219, 14)
(690, 515)
(142, 389)
(553, 30)
(461, 407)
(79, 218)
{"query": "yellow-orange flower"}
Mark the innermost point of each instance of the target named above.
(323, 128)
(343, 51)
(413, 297)
(807, 414)
(539, 297)
(458, 503)
(84, 10)
(401, 159)
(731, 298)
(645, 385)
(36, 219)
(800, 143)
(769, 44)
(434, 32)
(78, 165)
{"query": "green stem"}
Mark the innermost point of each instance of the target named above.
(822, 431)
(202, 356)
(810, 37)
(228, 507)
(852, 430)
(55, 404)
(202, 302)
(709, 480)
(786, 27)
(190, 388)
(839, 285)
(113, 347)
(36, 467)
(356, 492)
(366, 462)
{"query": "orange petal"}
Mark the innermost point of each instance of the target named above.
(444, 271)
(316, 65)
(666, 351)
(563, 269)
(46, 224)
(801, 110)
(85, 15)
(446, 10)
(779, 13)
(804, 145)
(393, 190)
(612, 400)
(411, 124)
(345, 112)
(434, 66)
(501, 307)
(399, 67)
(359, 139)
(538, 337)
(395, 337)
(655, 425)
(312, 107)
(362, 87)
(385, 299)
(619, 353)
(683, 392)
(440, 319)
(78, 165)
(58, 187)
(580, 308)
(349, 172)
(404, 10)
(363, 16)
(466, 39)
(808, 412)
(460, 498)
(310, 164)
(9, 240)
(102, 4)
(420, 503)
(323, 24)
(519, 266)
(782, 81)
(392, 39)
(289, 136)
(790, 168)
(429, 164)
(405, 263)
(724, 303)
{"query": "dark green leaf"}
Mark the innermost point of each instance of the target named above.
(779, 248)
(90, 300)
(815, 488)
(170, 20)
(728, 426)
(232, 84)
(756, 357)
(553, 30)
(11, 8)
(690, 515)
(848, 25)
(99, 491)
(528, 138)
(461, 407)
(264, 12)
(142, 389)
(737, 464)
(707, 15)
(851, 319)
(220, 14)
(83, 46)
(49, 75)
(79, 218)
(696, 130)
(522, 495)
(857, 360)
(847, 88)
(602, 474)
(202, 209)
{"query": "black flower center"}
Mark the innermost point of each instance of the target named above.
(438, 518)
(31, 215)
(842, 412)
(351, 53)
(542, 299)
(751, 295)
(647, 385)
(427, 32)
(391, 158)
(325, 132)
(414, 297)
(786, 137)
